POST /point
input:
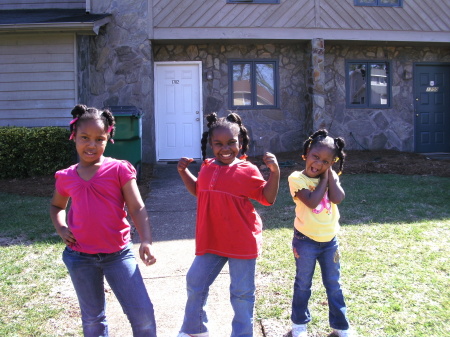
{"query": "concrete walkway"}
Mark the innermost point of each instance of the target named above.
(172, 213)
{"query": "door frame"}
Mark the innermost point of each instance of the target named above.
(417, 65)
(200, 78)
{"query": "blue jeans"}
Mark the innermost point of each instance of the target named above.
(306, 252)
(202, 274)
(120, 269)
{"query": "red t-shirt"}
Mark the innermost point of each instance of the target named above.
(227, 223)
(97, 217)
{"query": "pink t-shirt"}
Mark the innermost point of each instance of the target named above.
(227, 223)
(97, 217)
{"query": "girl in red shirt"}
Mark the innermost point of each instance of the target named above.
(228, 227)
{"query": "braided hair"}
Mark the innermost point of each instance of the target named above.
(233, 120)
(319, 137)
(82, 112)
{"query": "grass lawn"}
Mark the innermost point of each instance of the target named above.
(30, 268)
(394, 244)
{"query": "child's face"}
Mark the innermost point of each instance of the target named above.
(90, 140)
(225, 144)
(318, 159)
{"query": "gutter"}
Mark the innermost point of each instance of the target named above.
(89, 28)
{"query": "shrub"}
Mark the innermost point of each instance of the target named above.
(28, 152)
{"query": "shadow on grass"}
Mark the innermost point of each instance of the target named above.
(24, 220)
(374, 199)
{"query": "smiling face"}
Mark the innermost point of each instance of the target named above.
(90, 140)
(318, 159)
(225, 144)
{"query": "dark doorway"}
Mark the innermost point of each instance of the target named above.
(432, 107)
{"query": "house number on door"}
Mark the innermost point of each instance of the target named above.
(175, 81)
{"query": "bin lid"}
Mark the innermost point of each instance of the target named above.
(125, 110)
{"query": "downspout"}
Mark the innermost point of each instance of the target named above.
(88, 6)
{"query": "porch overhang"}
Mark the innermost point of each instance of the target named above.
(52, 20)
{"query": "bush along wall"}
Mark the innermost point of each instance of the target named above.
(28, 152)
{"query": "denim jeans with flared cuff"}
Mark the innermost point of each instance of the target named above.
(120, 269)
(306, 253)
(202, 274)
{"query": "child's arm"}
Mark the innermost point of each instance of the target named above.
(273, 183)
(138, 213)
(58, 215)
(313, 198)
(190, 181)
(336, 193)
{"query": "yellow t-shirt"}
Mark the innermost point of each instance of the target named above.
(320, 224)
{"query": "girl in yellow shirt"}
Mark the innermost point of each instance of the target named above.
(316, 192)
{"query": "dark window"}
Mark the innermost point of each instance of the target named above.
(253, 83)
(381, 3)
(368, 84)
(253, 1)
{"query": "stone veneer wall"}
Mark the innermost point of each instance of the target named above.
(121, 63)
(375, 128)
(274, 130)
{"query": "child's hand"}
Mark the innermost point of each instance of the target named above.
(66, 235)
(324, 175)
(332, 175)
(145, 253)
(271, 161)
(183, 163)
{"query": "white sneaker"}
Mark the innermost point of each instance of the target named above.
(344, 333)
(299, 330)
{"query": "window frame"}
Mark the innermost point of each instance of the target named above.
(368, 91)
(378, 3)
(253, 63)
(253, 1)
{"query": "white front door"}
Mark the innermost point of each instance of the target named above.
(178, 110)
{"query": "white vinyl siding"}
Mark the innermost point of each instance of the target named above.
(37, 79)
(41, 4)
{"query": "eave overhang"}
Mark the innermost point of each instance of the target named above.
(52, 20)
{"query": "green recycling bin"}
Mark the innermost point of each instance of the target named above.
(128, 136)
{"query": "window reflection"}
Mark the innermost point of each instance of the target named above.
(378, 83)
(357, 76)
(368, 84)
(253, 83)
(265, 84)
(241, 84)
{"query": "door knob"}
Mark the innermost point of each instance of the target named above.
(197, 119)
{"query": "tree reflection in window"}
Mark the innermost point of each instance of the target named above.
(253, 83)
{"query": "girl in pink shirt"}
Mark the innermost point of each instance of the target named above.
(96, 231)
(228, 227)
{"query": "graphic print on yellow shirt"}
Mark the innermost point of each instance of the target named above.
(324, 205)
